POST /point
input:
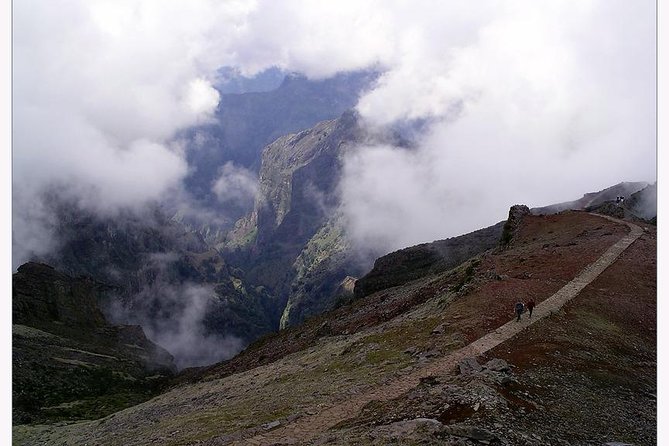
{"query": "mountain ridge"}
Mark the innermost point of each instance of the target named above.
(594, 199)
(294, 210)
(396, 331)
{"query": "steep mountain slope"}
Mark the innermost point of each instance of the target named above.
(246, 123)
(68, 362)
(643, 204)
(293, 242)
(324, 272)
(297, 178)
(164, 278)
(425, 259)
(640, 206)
(595, 355)
(593, 199)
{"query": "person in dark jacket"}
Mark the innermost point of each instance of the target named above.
(519, 310)
(530, 306)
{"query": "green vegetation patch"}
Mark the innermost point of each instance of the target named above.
(243, 241)
(468, 273)
(385, 356)
(93, 408)
(249, 238)
(413, 333)
(598, 324)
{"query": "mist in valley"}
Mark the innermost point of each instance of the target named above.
(503, 103)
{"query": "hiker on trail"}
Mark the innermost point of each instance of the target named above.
(519, 310)
(530, 306)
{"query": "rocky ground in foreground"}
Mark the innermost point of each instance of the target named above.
(583, 377)
(586, 375)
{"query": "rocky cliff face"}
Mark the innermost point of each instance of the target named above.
(297, 179)
(293, 242)
(322, 274)
(163, 277)
(42, 296)
(246, 123)
(68, 362)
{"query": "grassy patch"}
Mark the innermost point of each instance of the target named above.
(249, 238)
(597, 323)
(467, 276)
(379, 356)
(409, 334)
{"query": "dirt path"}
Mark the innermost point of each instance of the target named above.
(308, 427)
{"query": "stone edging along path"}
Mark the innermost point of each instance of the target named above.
(306, 428)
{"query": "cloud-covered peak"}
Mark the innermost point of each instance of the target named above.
(561, 91)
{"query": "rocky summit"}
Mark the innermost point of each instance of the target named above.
(438, 357)
(294, 242)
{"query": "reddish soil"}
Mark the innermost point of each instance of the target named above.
(623, 299)
(548, 252)
(594, 364)
(585, 375)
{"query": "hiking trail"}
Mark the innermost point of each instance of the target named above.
(307, 427)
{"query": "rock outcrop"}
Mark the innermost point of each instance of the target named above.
(68, 362)
(42, 297)
(513, 223)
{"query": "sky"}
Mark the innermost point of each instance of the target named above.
(526, 102)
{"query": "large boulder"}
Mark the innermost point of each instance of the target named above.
(513, 223)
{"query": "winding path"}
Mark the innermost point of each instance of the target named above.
(308, 427)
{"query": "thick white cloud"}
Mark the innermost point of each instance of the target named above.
(235, 184)
(100, 89)
(548, 101)
(536, 101)
(181, 328)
